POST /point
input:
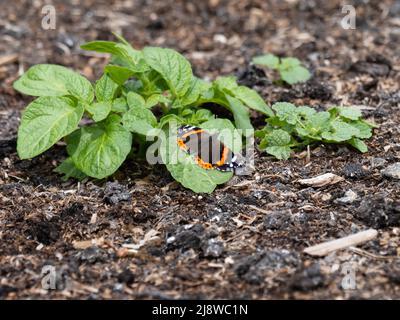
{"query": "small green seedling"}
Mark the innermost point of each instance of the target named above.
(290, 69)
(297, 127)
(139, 92)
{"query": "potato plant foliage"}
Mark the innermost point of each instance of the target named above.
(297, 127)
(142, 93)
(121, 105)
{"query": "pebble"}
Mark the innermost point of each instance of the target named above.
(213, 248)
(278, 220)
(309, 278)
(186, 237)
(378, 211)
(92, 255)
(354, 170)
(253, 268)
(392, 171)
(115, 192)
(126, 276)
(378, 162)
(349, 197)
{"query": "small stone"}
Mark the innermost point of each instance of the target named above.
(308, 278)
(126, 276)
(278, 220)
(378, 211)
(253, 268)
(378, 162)
(213, 248)
(266, 195)
(326, 197)
(349, 197)
(392, 171)
(115, 192)
(354, 171)
(187, 237)
(92, 255)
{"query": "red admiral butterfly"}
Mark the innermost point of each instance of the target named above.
(208, 151)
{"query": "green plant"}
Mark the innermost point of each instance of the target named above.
(121, 107)
(290, 69)
(297, 127)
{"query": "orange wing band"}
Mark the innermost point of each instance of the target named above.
(203, 164)
(224, 157)
(181, 144)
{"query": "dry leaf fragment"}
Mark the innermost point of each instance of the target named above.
(321, 180)
(325, 248)
(6, 59)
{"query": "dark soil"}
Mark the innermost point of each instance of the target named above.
(141, 235)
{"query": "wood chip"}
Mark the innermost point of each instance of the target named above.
(149, 236)
(87, 243)
(325, 248)
(321, 180)
(9, 58)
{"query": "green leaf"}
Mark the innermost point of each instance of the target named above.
(123, 54)
(315, 124)
(138, 118)
(319, 120)
(295, 75)
(185, 171)
(358, 144)
(106, 88)
(286, 111)
(170, 118)
(289, 63)
(119, 105)
(240, 114)
(277, 143)
(301, 126)
(135, 100)
(195, 178)
(279, 152)
(340, 131)
(54, 80)
(103, 47)
(227, 84)
(118, 74)
(197, 86)
(172, 66)
(268, 60)
(292, 72)
(253, 100)
(365, 131)
(45, 121)
(278, 137)
(99, 110)
(100, 149)
(135, 57)
(306, 111)
(153, 100)
(198, 117)
(69, 170)
(349, 113)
